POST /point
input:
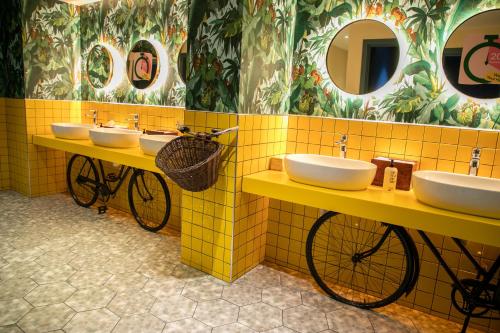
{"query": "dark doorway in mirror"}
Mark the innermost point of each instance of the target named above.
(380, 59)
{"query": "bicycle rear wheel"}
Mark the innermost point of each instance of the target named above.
(149, 199)
(82, 180)
(359, 262)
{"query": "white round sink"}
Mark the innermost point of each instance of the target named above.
(151, 144)
(71, 131)
(330, 172)
(460, 193)
(115, 137)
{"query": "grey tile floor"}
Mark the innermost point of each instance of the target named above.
(64, 268)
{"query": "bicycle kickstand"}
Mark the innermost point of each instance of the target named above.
(466, 324)
(102, 209)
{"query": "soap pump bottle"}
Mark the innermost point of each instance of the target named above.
(390, 177)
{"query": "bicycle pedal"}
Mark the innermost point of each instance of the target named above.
(112, 177)
(102, 209)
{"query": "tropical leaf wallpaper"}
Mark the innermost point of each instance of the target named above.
(419, 95)
(214, 55)
(267, 46)
(51, 49)
(11, 50)
(121, 23)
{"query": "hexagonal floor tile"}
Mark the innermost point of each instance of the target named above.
(164, 288)
(261, 277)
(202, 290)
(145, 323)
(320, 302)
(282, 298)
(305, 320)
(156, 269)
(51, 293)
(349, 320)
(216, 313)
(260, 316)
(174, 308)
(46, 318)
(185, 272)
(90, 298)
(19, 270)
(55, 258)
(16, 288)
(190, 325)
(233, 328)
(126, 282)
(117, 265)
(95, 321)
(241, 294)
(86, 279)
(283, 329)
(127, 304)
(53, 274)
(13, 310)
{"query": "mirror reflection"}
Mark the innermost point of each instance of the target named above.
(142, 65)
(182, 62)
(471, 56)
(99, 67)
(363, 57)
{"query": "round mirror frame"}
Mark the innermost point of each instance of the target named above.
(402, 48)
(441, 65)
(111, 67)
(179, 72)
(159, 65)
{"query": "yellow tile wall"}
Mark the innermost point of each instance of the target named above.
(4, 152)
(435, 148)
(260, 137)
(208, 216)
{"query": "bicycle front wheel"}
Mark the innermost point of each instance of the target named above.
(359, 262)
(149, 199)
(82, 180)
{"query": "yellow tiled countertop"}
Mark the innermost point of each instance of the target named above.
(399, 207)
(133, 157)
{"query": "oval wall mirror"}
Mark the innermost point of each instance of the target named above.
(363, 57)
(471, 56)
(99, 67)
(143, 65)
(182, 62)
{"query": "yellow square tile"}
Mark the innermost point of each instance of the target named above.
(303, 123)
(384, 130)
(397, 146)
(355, 127)
(328, 125)
(468, 137)
(341, 126)
(369, 128)
(487, 139)
(432, 134)
(487, 156)
(447, 152)
(315, 124)
(382, 145)
(413, 148)
(430, 150)
(292, 121)
(450, 135)
(463, 153)
(399, 131)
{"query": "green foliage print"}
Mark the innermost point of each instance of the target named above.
(51, 49)
(214, 55)
(420, 93)
(122, 23)
(266, 60)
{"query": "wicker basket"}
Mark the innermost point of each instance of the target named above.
(191, 162)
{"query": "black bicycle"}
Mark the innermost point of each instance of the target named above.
(371, 264)
(148, 195)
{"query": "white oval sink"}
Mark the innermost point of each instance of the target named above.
(151, 144)
(115, 137)
(71, 131)
(461, 193)
(330, 172)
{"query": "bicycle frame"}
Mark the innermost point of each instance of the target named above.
(122, 175)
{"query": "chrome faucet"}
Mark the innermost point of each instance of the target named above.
(135, 119)
(474, 161)
(343, 145)
(93, 115)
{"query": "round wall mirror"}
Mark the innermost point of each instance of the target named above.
(99, 67)
(143, 65)
(182, 62)
(471, 56)
(363, 57)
